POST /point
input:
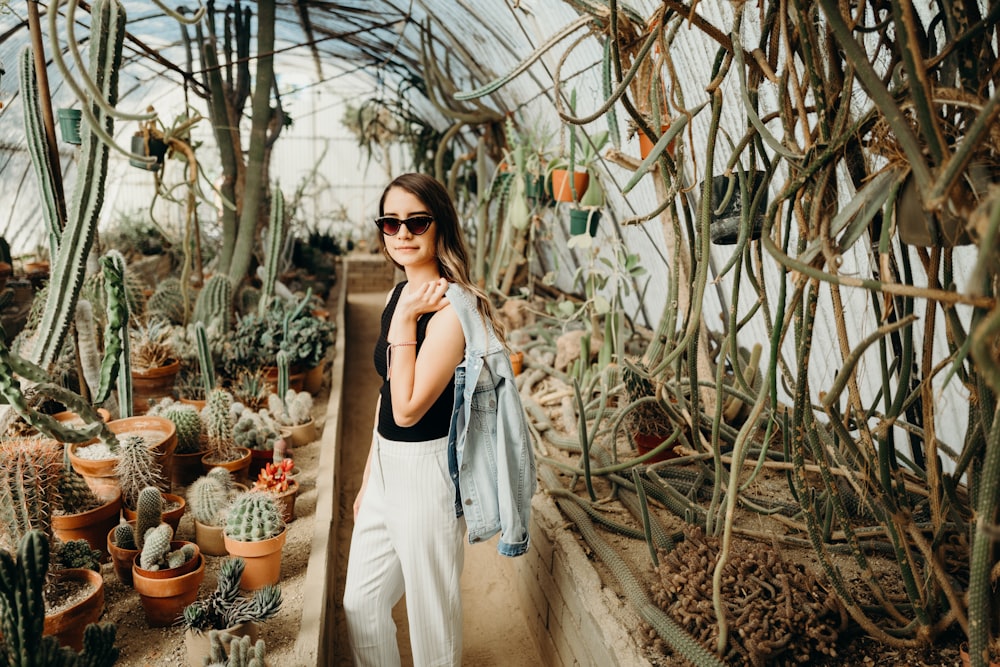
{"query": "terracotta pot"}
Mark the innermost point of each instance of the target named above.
(189, 565)
(286, 500)
(302, 434)
(238, 469)
(68, 625)
(160, 434)
(198, 645)
(258, 459)
(186, 468)
(98, 473)
(92, 525)
(172, 516)
(296, 377)
(517, 362)
(164, 600)
(150, 383)
(561, 189)
(198, 403)
(647, 442)
(122, 559)
(646, 146)
(313, 379)
(209, 539)
(73, 419)
(263, 560)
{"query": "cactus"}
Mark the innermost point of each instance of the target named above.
(74, 493)
(241, 653)
(79, 554)
(77, 237)
(255, 431)
(253, 517)
(29, 486)
(22, 614)
(296, 408)
(282, 360)
(276, 228)
(167, 302)
(215, 303)
(125, 536)
(224, 607)
(115, 341)
(205, 358)
(209, 497)
(156, 553)
(148, 513)
(218, 423)
(180, 556)
(188, 423)
(136, 469)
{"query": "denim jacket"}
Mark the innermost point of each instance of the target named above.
(490, 454)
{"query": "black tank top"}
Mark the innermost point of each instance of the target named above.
(437, 420)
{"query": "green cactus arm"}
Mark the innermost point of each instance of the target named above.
(283, 380)
(107, 36)
(53, 204)
(115, 332)
(148, 513)
(99, 648)
(33, 562)
(156, 546)
(276, 229)
(205, 357)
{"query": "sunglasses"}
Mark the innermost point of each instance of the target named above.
(417, 225)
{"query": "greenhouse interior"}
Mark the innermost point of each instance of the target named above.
(737, 268)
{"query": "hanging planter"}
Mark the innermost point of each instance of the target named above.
(69, 125)
(584, 221)
(725, 223)
(150, 146)
(646, 145)
(562, 191)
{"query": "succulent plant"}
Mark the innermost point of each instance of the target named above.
(186, 419)
(209, 497)
(225, 607)
(156, 553)
(217, 419)
(255, 430)
(295, 409)
(253, 516)
(242, 653)
(136, 469)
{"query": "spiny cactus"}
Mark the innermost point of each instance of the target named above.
(215, 303)
(29, 486)
(125, 536)
(148, 513)
(241, 653)
(218, 422)
(188, 423)
(209, 497)
(74, 493)
(136, 469)
(22, 615)
(79, 554)
(276, 228)
(156, 553)
(167, 302)
(224, 607)
(295, 409)
(255, 431)
(205, 361)
(253, 516)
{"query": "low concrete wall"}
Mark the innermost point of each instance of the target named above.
(577, 620)
(369, 273)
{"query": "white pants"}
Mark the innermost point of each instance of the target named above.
(406, 537)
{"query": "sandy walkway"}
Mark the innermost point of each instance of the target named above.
(495, 629)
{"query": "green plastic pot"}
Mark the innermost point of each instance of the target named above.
(584, 221)
(69, 125)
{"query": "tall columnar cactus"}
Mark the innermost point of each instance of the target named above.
(167, 301)
(116, 340)
(107, 35)
(218, 422)
(22, 615)
(205, 358)
(276, 230)
(148, 513)
(215, 303)
(254, 516)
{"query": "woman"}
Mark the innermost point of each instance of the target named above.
(407, 533)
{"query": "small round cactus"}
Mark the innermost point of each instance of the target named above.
(254, 516)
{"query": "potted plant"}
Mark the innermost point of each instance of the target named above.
(186, 465)
(148, 142)
(276, 479)
(126, 540)
(225, 610)
(583, 219)
(97, 462)
(257, 432)
(256, 532)
(727, 197)
(227, 650)
(210, 497)
(154, 363)
(580, 161)
(221, 449)
(166, 574)
(293, 411)
(23, 589)
(648, 418)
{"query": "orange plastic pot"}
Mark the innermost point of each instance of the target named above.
(561, 189)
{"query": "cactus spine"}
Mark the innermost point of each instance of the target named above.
(29, 482)
(188, 423)
(276, 228)
(22, 615)
(217, 419)
(205, 358)
(69, 265)
(155, 547)
(125, 537)
(209, 497)
(136, 469)
(215, 302)
(282, 380)
(254, 516)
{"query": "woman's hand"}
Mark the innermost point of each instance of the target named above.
(426, 298)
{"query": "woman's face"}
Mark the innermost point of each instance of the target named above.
(406, 248)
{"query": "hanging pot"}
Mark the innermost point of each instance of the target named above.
(725, 224)
(150, 147)
(584, 221)
(919, 228)
(561, 189)
(646, 145)
(69, 125)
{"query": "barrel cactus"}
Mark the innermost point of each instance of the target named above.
(253, 516)
(210, 496)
